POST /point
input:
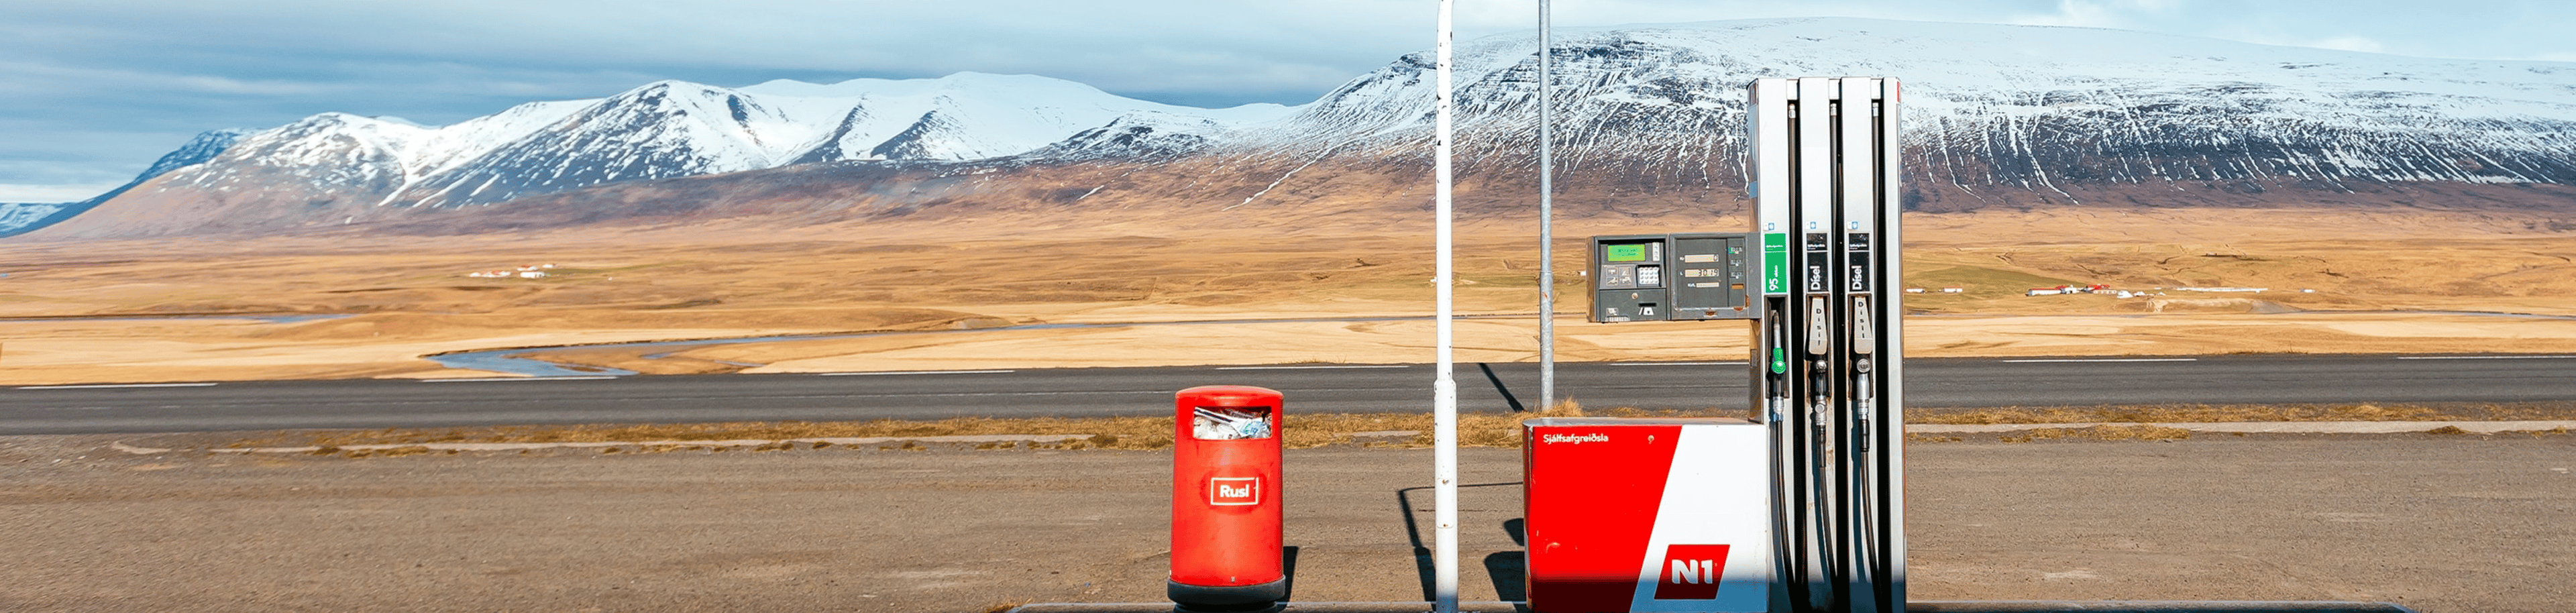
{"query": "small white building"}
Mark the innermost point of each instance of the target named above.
(532, 271)
(1953, 290)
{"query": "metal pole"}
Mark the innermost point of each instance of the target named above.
(1546, 217)
(1891, 430)
(1444, 388)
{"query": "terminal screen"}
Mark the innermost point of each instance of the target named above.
(1624, 253)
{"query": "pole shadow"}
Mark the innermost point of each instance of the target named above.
(1505, 390)
(1424, 566)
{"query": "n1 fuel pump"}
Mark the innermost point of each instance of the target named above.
(1829, 351)
(1817, 276)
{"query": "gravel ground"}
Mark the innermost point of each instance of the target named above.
(2445, 524)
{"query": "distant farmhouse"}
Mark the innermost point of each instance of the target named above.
(536, 271)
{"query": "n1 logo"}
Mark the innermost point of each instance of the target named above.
(1234, 491)
(1691, 572)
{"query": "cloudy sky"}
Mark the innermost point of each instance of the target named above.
(96, 89)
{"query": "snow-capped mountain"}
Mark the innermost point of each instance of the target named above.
(1140, 137)
(21, 218)
(1991, 108)
(1993, 115)
(674, 129)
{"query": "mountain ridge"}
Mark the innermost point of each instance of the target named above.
(2010, 116)
(24, 217)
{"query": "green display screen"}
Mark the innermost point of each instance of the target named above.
(1624, 253)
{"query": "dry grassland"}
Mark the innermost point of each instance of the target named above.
(1300, 431)
(1303, 431)
(108, 312)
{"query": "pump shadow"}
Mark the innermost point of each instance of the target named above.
(1424, 566)
(1510, 569)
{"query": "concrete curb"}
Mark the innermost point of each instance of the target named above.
(846, 441)
(1472, 606)
(2009, 606)
(2296, 427)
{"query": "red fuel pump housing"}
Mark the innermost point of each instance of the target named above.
(1225, 499)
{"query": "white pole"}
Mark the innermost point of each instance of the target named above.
(1444, 388)
(1546, 220)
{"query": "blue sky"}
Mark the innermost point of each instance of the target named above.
(97, 89)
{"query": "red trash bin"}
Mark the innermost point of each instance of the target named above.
(1225, 499)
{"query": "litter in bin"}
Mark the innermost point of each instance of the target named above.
(1230, 423)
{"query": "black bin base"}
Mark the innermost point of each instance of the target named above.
(1255, 598)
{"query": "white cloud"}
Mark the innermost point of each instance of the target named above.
(10, 192)
(226, 85)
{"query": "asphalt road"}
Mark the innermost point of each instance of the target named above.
(180, 407)
(2444, 524)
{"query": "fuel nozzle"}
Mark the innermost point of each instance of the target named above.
(1820, 334)
(1819, 392)
(1862, 390)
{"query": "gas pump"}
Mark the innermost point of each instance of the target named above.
(1829, 352)
(1631, 515)
(1825, 448)
(1672, 277)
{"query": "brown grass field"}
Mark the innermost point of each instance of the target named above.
(1321, 429)
(2340, 281)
